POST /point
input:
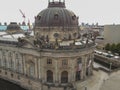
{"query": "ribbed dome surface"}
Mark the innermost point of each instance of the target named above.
(56, 15)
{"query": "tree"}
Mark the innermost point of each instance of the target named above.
(118, 48)
(107, 47)
(113, 48)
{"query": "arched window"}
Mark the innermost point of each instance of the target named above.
(64, 77)
(56, 16)
(3, 59)
(39, 17)
(79, 68)
(9, 60)
(79, 60)
(31, 69)
(3, 62)
(89, 63)
(49, 76)
(11, 63)
(19, 66)
(18, 62)
(74, 17)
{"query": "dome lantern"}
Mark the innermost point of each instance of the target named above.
(56, 3)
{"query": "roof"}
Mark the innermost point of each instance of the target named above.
(13, 26)
(56, 15)
(25, 28)
(3, 27)
(15, 36)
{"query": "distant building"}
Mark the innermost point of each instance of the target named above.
(23, 27)
(3, 27)
(112, 33)
(94, 28)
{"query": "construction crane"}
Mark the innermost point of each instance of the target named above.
(23, 15)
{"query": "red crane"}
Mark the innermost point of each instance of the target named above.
(23, 15)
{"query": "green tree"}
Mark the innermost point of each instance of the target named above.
(107, 47)
(113, 48)
(118, 48)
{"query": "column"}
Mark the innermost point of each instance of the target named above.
(7, 60)
(73, 71)
(39, 68)
(59, 76)
(21, 64)
(85, 66)
(82, 71)
(56, 73)
(24, 65)
(43, 70)
(0, 58)
(36, 68)
(14, 62)
(92, 61)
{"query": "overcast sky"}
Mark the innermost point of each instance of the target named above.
(89, 11)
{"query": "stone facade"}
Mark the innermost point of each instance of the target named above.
(57, 33)
(36, 66)
(57, 57)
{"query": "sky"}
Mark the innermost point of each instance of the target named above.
(89, 11)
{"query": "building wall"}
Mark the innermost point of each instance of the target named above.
(29, 67)
(63, 33)
(112, 33)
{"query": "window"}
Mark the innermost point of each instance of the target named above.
(10, 54)
(11, 63)
(39, 17)
(56, 16)
(19, 66)
(4, 61)
(78, 69)
(56, 35)
(49, 61)
(3, 53)
(5, 73)
(17, 56)
(79, 60)
(31, 70)
(11, 75)
(79, 64)
(64, 62)
(64, 77)
(74, 17)
(49, 76)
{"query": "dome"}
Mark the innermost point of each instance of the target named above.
(13, 26)
(56, 15)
